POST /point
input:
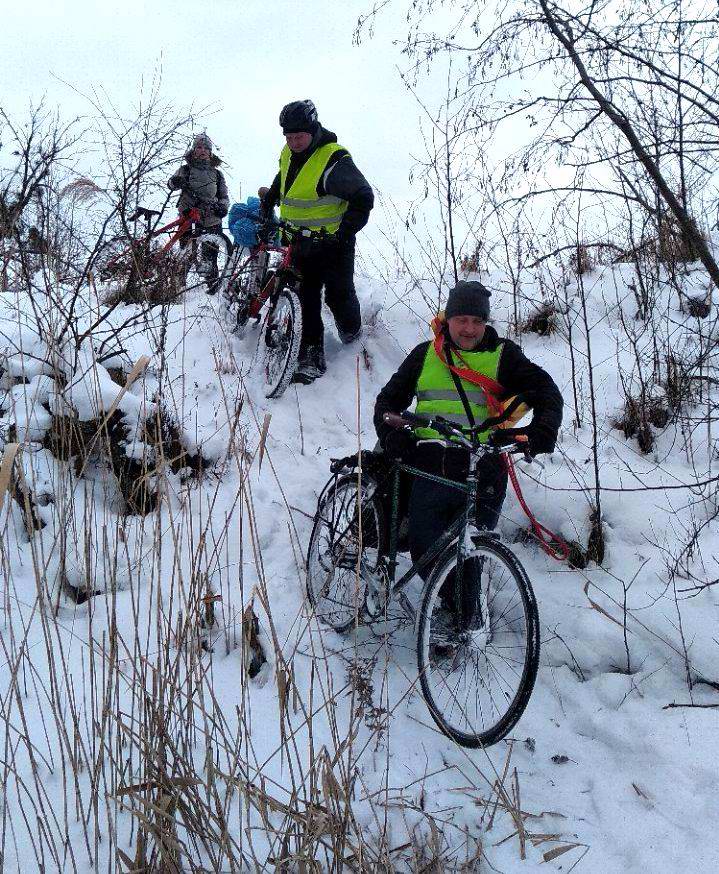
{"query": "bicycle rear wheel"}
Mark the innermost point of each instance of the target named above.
(477, 672)
(281, 347)
(126, 269)
(345, 548)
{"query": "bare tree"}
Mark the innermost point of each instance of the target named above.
(31, 151)
(623, 97)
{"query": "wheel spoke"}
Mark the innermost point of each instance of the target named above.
(477, 674)
(337, 570)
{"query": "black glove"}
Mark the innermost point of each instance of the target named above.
(345, 238)
(539, 440)
(220, 208)
(400, 444)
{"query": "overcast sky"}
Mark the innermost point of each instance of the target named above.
(248, 57)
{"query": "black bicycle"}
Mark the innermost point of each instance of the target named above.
(477, 662)
(267, 273)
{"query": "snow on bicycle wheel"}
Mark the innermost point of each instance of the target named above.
(280, 342)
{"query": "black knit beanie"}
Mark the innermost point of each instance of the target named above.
(468, 298)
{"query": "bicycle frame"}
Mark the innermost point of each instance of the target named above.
(458, 528)
(183, 224)
(266, 290)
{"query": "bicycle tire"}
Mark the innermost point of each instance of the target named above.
(113, 260)
(129, 268)
(281, 338)
(243, 284)
(510, 634)
(336, 575)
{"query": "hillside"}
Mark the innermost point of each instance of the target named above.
(131, 724)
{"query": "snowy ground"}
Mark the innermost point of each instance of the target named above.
(608, 778)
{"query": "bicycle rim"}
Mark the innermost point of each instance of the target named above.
(241, 286)
(336, 575)
(282, 334)
(477, 676)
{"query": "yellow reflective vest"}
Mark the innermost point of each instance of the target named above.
(300, 205)
(437, 394)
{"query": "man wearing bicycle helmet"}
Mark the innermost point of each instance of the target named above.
(466, 342)
(319, 187)
(202, 185)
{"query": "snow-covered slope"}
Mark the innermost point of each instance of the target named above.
(599, 775)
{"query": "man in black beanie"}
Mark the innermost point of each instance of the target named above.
(319, 187)
(465, 340)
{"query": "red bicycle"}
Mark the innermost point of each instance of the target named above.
(145, 269)
(268, 275)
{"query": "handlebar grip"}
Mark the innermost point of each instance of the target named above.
(411, 420)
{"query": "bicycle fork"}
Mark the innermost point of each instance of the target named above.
(469, 593)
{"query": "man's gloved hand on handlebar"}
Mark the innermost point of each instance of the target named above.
(537, 440)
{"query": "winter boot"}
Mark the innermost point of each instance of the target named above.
(311, 365)
(350, 336)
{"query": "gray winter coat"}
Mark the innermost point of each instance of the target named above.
(203, 185)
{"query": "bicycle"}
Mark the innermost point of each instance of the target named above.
(149, 271)
(477, 667)
(268, 274)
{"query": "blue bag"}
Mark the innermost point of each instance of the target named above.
(243, 221)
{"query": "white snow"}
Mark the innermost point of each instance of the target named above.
(598, 760)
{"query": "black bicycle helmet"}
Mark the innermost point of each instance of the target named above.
(300, 115)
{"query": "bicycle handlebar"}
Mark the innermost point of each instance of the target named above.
(272, 225)
(436, 423)
(447, 429)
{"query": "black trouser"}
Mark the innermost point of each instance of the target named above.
(433, 506)
(208, 249)
(331, 267)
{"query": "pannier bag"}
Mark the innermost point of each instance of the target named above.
(243, 222)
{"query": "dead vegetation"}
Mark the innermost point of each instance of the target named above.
(543, 320)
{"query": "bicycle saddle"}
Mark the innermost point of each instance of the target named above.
(144, 213)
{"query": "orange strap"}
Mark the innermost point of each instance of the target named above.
(551, 543)
(491, 388)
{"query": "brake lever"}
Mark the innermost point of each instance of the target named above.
(531, 459)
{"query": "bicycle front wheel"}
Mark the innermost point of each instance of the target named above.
(281, 348)
(477, 667)
(208, 266)
(246, 277)
(345, 547)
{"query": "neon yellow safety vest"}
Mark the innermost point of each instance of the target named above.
(437, 394)
(301, 205)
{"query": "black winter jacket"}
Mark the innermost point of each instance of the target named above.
(340, 179)
(516, 373)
